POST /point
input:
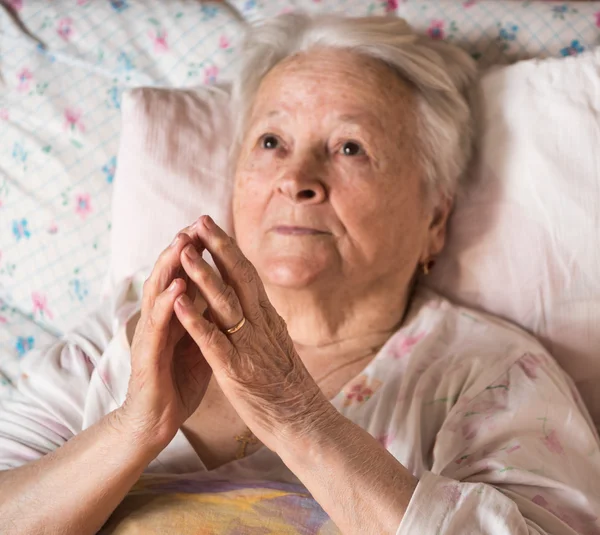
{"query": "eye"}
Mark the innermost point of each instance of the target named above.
(352, 148)
(269, 142)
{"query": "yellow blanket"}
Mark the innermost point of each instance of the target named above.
(187, 506)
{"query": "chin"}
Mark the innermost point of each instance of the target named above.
(290, 272)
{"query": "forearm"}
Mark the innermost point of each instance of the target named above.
(75, 488)
(360, 485)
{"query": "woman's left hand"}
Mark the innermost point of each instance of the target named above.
(257, 367)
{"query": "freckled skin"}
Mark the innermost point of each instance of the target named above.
(379, 225)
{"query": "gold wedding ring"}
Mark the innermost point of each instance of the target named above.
(237, 326)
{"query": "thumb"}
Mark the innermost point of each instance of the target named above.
(214, 345)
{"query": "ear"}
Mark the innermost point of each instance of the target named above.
(436, 233)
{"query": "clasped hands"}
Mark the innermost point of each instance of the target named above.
(181, 341)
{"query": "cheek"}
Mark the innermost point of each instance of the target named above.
(391, 213)
(249, 198)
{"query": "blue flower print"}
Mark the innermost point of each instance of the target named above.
(19, 153)
(109, 169)
(114, 97)
(24, 344)
(509, 33)
(20, 229)
(208, 12)
(575, 48)
(79, 289)
(125, 63)
(119, 5)
(249, 5)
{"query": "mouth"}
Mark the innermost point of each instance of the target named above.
(297, 231)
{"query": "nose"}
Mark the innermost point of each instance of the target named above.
(302, 186)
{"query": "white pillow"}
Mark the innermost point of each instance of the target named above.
(523, 242)
(172, 169)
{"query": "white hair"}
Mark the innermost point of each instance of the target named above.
(441, 73)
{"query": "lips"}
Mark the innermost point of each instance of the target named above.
(297, 231)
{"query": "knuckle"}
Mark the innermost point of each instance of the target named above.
(228, 298)
(255, 314)
(212, 336)
(246, 270)
(223, 245)
(204, 276)
(152, 324)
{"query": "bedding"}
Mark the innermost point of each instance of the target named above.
(60, 110)
(158, 505)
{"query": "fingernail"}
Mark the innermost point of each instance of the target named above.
(184, 301)
(208, 222)
(173, 286)
(191, 252)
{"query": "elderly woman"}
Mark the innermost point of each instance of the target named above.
(314, 357)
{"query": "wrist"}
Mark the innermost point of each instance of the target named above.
(305, 436)
(147, 439)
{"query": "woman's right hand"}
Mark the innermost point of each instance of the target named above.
(169, 374)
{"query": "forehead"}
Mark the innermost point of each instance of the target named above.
(336, 80)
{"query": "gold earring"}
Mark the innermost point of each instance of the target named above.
(428, 266)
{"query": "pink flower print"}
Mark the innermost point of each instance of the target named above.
(598, 19)
(436, 29)
(3, 320)
(210, 74)
(73, 119)
(361, 391)
(391, 5)
(529, 364)
(83, 2)
(25, 77)
(514, 448)
(82, 205)
(17, 5)
(65, 28)
(469, 3)
(40, 305)
(552, 443)
(53, 228)
(405, 345)
(224, 42)
(159, 37)
(4, 114)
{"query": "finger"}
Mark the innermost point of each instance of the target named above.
(157, 321)
(222, 300)
(164, 271)
(166, 267)
(214, 344)
(235, 268)
(200, 304)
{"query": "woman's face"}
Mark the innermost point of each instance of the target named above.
(327, 183)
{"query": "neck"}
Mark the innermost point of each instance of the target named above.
(331, 328)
